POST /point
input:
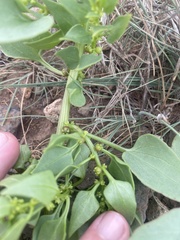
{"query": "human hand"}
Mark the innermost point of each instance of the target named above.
(108, 226)
(9, 152)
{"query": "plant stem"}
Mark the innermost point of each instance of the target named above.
(65, 109)
(51, 68)
(91, 147)
(108, 175)
(66, 105)
(106, 142)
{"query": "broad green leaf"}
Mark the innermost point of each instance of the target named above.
(55, 228)
(67, 170)
(120, 170)
(24, 156)
(101, 30)
(137, 222)
(41, 186)
(76, 95)
(70, 56)
(77, 34)
(108, 6)
(15, 230)
(120, 195)
(176, 145)
(82, 154)
(20, 50)
(165, 227)
(11, 180)
(4, 227)
(43, 219)
(55, 159)
(36, 215)
(156, 165)
(77, 9)
(84, 208)
(74, 142)
(62, 15)
(92, 14)
(59, 139)
(15, 26)
(46, 43)
(119, 27)
(31, 167)
(88, 60)
(5, 206)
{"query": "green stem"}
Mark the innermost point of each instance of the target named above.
(108, 175)
(77, 183)
(66, 105)
(106, 142)
(51, 68)
(91, 147)
(65, 109)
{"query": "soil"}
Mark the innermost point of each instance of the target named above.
(22, 113)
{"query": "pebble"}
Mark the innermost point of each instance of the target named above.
(26, 92)
(52, 110)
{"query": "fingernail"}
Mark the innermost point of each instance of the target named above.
(112, 227)
(3, 139)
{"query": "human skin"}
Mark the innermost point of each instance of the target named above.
(108, 226)
(9, 152)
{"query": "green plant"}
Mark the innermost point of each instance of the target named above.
(47, 194)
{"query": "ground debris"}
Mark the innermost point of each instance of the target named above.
(52, 110)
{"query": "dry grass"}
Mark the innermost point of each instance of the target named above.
(146, 65)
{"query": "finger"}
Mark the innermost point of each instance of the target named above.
(9, 152)
(108, 226)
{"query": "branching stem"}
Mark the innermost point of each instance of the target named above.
(106, 142)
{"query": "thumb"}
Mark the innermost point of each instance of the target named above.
(9, 152)
(108, 226)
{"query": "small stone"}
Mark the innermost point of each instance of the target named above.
(26, 92)
(11, 122)
(52, 110)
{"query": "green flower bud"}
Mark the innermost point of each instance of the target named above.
(104, 166)
(64, 72)
(98, 50)
(50, 207)
(98, 147)
(65, 129)
(102, 183)
(25, 2)
(99, 194)
(88, 49)
(92, 156)
(97, 171)
(33, 2)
